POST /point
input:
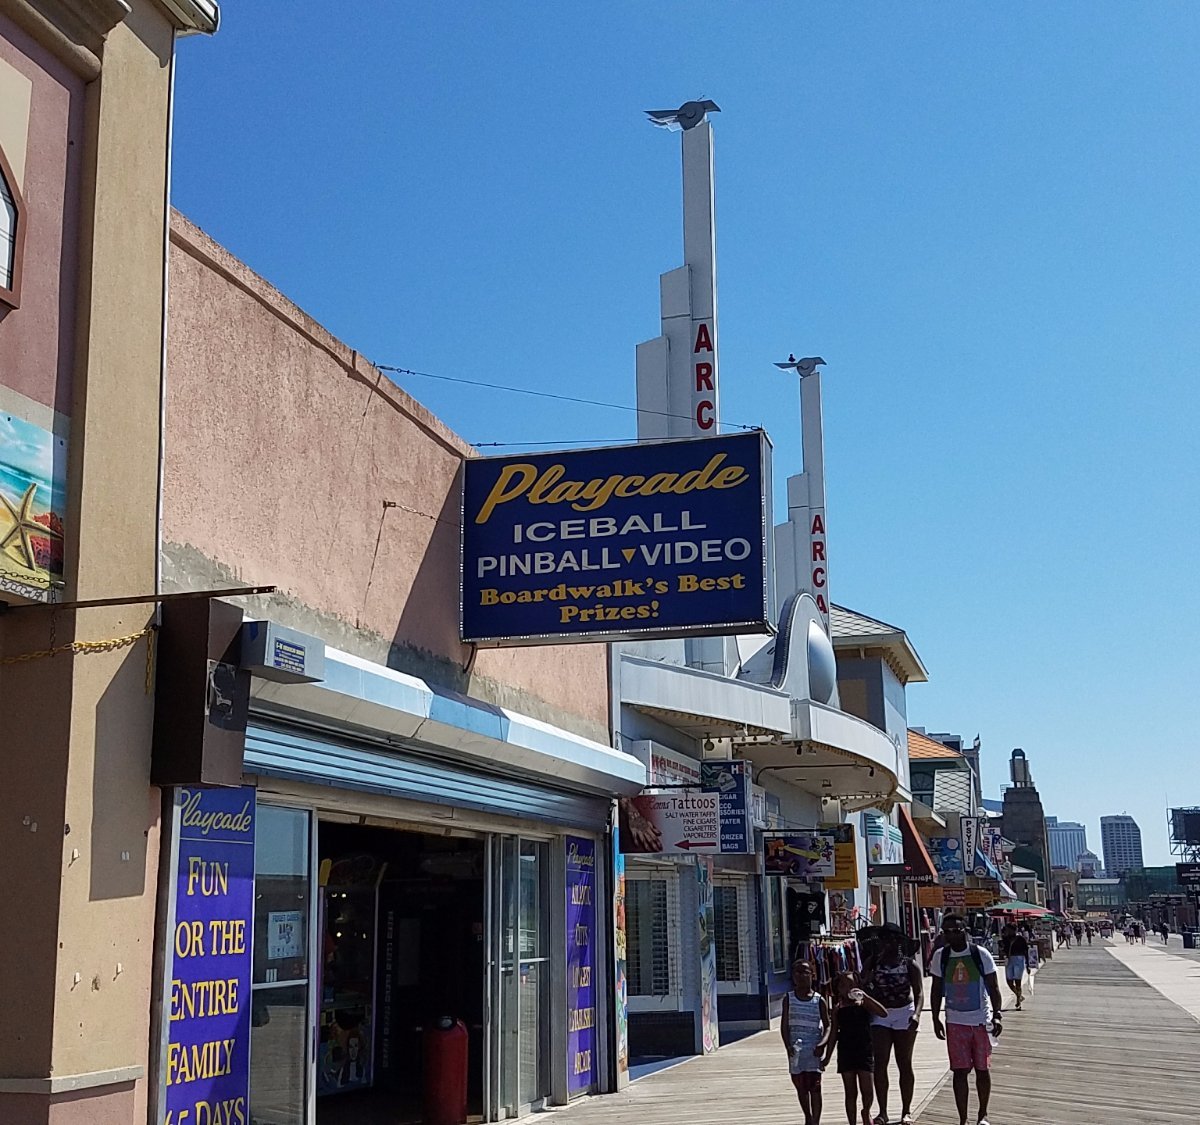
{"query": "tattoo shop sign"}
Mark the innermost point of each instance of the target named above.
(659, 539)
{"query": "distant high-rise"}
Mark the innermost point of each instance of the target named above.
(1068, 841)
(1122, 842)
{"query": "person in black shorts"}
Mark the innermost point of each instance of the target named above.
(851, 1032)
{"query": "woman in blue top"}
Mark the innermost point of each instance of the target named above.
(805, 1030)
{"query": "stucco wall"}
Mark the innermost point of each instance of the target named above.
(283, 445)
(78, 817)
(43, 133)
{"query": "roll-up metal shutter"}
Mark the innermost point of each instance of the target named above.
(296, 754)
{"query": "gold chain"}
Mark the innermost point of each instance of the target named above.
(85, 648)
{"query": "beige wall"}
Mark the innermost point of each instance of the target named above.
(80, 771)
(282, 446)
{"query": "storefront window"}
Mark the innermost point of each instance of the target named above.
(776, 926)
(647, 937)
(728, 927)
(279, 1022)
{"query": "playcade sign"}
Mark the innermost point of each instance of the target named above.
(658, 539)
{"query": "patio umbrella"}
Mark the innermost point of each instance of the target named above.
(1018, 907)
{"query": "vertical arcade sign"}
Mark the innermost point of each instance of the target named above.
(205, 1065)
(581, 965)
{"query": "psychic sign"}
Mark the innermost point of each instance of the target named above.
(207, 996)
(658, 539)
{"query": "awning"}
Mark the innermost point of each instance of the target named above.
(916, 855)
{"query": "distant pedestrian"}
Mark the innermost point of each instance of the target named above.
(805, 1027)
(1088, 931)
(965, 977)
(1165, 930)
(851, 1032)
(1016, 951)
(1078, 933)
(898, 984)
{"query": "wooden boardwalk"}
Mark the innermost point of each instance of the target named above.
(1096, 1044)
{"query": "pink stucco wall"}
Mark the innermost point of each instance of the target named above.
(283, 445)
(36, 342)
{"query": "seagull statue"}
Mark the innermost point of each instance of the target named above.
(687, 116)
(802, 367)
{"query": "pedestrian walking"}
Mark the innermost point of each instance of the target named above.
(1016, 950)
(898, 984)
(851, 1032)
(1078, 933)
(805, 1027)
(1165, 930)
(965, 977)
(1088, 931)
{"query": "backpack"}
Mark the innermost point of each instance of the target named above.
(972, 948)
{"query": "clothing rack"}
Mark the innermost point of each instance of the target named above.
(828, 957)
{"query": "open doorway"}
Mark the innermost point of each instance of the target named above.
(401, 943)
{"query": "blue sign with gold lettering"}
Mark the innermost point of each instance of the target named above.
(207, 997)
(659, 539)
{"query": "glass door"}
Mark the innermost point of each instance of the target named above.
(280, 1017)
(519, 985)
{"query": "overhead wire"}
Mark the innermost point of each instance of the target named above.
(543, 394)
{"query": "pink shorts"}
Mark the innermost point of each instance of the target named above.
(969, 1046)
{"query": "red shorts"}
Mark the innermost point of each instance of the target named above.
(969, 1046)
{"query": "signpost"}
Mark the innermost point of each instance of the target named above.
(946, 853)
(681, 821)
(662, 539)
(731, 782)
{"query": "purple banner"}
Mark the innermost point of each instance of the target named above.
(208, 1038)
(581, 965)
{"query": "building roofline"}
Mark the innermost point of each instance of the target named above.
(873, 633)
(194, 17)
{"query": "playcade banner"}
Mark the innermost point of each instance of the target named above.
(650, 540)
(205, 1059)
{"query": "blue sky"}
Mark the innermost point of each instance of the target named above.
(983, 216)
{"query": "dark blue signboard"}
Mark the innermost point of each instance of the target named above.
(731, 782)
(651, 540)
(582, 1056)
(208, 990)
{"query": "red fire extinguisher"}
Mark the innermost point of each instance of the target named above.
(445, 1077)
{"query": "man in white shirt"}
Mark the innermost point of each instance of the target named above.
(964, 975)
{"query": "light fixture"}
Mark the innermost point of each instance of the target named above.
(826, 784)
(709, 746)
(871, 772)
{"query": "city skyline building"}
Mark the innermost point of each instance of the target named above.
(1121, 839)
(1068, 841)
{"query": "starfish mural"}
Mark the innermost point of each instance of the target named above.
(25, 527)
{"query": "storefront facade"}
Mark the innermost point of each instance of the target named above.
(433, 820)
(811, 766)
(393, 888)
(85, 127)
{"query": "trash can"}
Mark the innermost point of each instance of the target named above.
(1189, 939)
(445, 1072)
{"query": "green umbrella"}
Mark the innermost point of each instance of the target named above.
(1018, 907)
